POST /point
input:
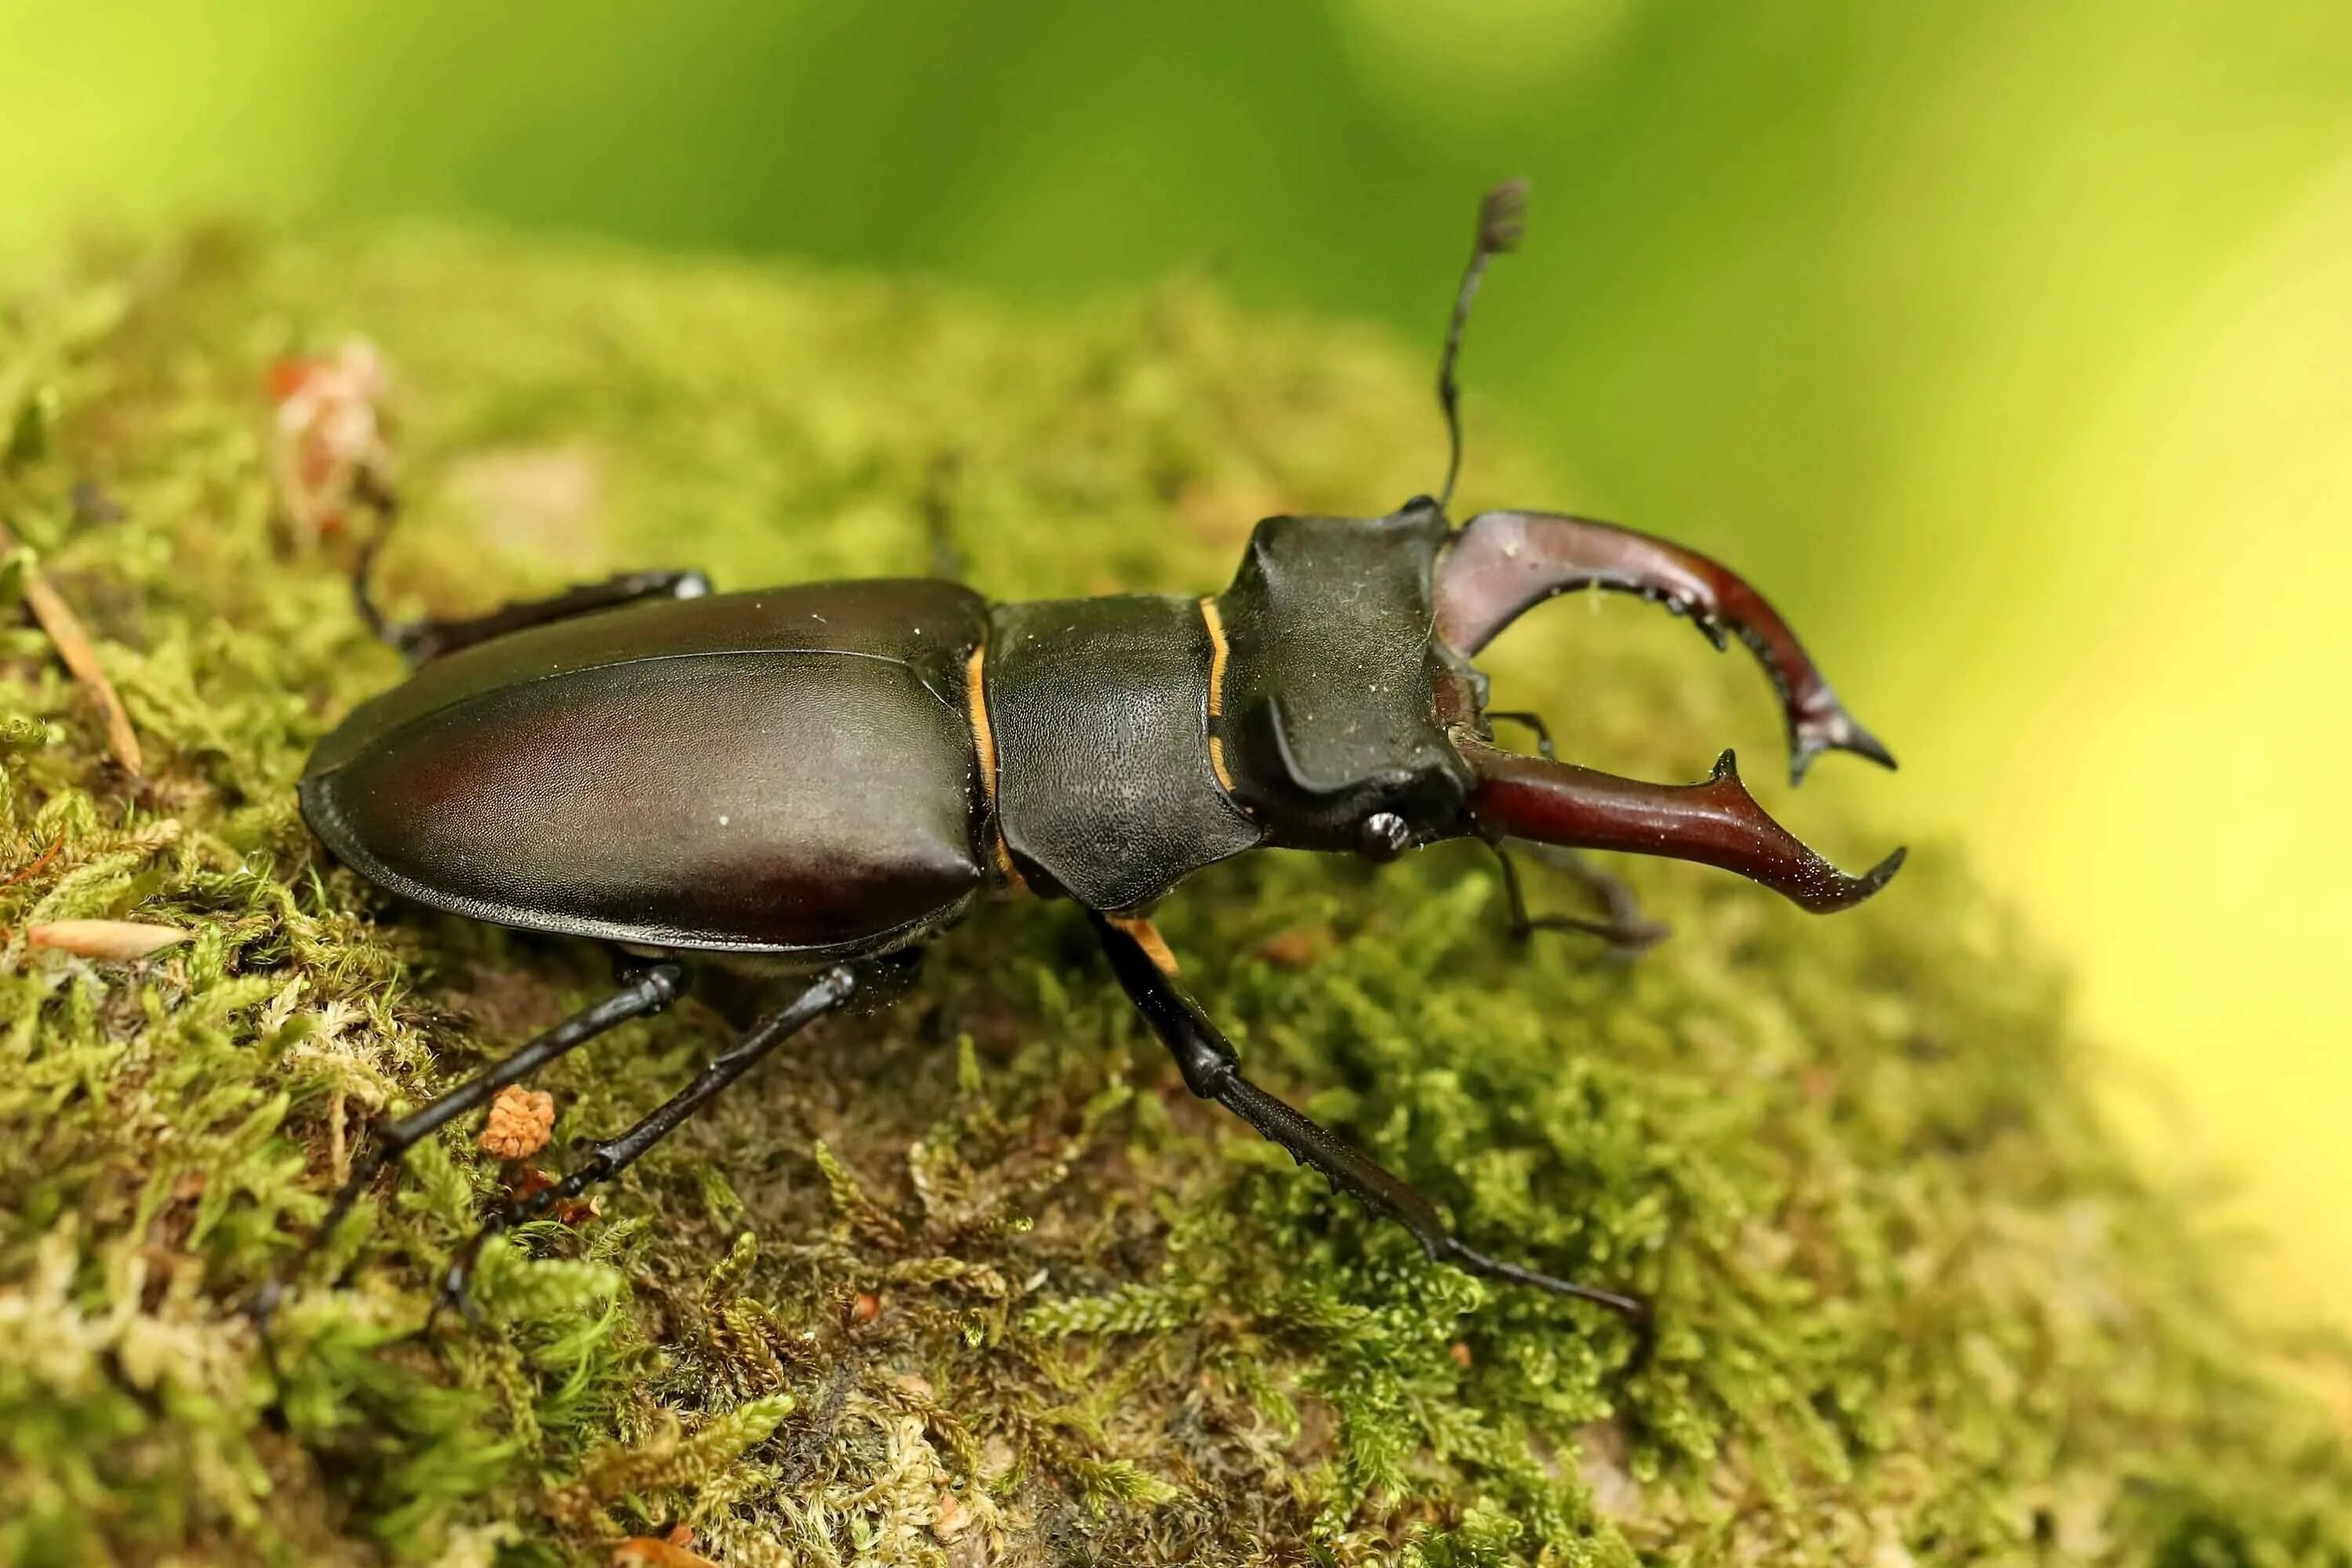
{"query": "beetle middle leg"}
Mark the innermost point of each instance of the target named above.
(830, 992)
(647, 992)
(1627, 930)
(1212, 1070)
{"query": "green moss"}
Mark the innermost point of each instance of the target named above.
(1917, 1305)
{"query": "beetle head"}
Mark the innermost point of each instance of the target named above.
(1337, 699)
(1350, 718)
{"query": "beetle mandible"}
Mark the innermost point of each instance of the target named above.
(826, 777)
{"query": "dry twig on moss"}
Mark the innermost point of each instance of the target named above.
(73, 645)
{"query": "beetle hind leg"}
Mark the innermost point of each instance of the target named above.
(830, 992)
(1212, 1072)
(645, 992)
(422, 641)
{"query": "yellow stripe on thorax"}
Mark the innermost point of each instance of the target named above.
(1218, 655)
(983, 740)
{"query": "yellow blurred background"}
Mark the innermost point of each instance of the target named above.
(2007, 344)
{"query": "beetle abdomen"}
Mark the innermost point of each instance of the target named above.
(794, 799)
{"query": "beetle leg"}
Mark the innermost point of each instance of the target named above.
(607, 1160)
(421, 642)
(1212, 1070)
(649, 992)
(1626, 929)
(1526, 719)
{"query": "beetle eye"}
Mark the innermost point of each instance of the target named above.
(1385, 836)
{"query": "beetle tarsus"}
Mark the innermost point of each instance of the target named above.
(648, 990)
(385, 500)
(1212, 1070)
(831, 991)
(454, 1296)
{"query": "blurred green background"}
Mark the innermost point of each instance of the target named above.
(2007, 344)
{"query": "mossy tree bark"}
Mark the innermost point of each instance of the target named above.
(973, 1280)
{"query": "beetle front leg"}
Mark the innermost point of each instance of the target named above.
(832, 990)
(1212, 1070)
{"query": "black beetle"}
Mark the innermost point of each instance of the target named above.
(826, 777)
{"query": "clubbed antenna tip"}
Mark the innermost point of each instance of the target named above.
(1502, 222)
(1503, 217)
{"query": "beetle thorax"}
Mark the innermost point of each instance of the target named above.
(1139, 738)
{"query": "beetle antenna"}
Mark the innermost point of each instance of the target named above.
(1502, 222)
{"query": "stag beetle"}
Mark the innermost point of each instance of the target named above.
(823, 777)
